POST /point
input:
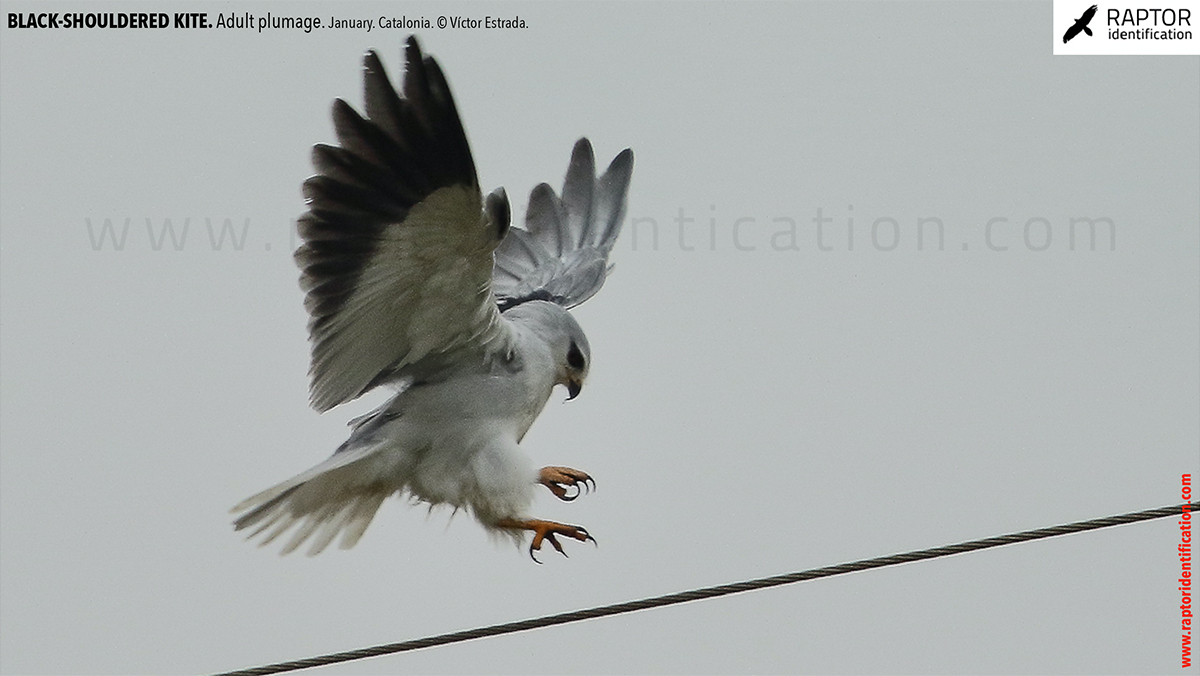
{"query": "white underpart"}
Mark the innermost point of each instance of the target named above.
(452, 442)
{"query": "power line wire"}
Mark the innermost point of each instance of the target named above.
(712, 592)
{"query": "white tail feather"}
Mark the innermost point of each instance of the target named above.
(333, 497)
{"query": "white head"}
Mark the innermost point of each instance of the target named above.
(568, 345)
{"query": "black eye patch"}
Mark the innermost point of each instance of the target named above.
(575, 357)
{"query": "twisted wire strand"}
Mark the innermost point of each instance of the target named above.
(713, 592)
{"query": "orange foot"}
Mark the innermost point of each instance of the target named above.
(546, 530)
(557, 479)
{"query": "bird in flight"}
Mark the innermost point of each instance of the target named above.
(415, 280)
(1081, 24)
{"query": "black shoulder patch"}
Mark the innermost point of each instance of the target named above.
(499, 212)
(509, 302)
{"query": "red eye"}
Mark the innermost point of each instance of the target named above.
(575, 357)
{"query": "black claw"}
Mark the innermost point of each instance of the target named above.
(554, 541)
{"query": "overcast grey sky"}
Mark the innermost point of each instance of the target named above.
(757, 404)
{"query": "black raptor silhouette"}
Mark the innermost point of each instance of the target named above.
(1081, 24)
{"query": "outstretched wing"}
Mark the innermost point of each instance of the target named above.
(398, 242)
(562, 254)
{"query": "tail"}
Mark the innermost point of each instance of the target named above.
(340, 495)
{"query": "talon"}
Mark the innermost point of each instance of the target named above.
(533, 547)
(559, 479)
(546, 531)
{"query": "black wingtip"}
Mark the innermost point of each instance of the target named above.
(412, 53)
(622, 160)
(583, 158)
(372, 69)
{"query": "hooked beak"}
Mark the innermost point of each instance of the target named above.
(573, 388)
